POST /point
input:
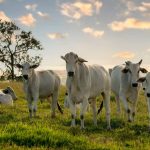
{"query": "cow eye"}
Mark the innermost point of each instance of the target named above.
(76, 61)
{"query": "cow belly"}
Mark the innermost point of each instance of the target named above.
(46, 89)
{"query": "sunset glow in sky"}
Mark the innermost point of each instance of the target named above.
(105, 32)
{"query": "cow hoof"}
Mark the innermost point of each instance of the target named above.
(109, 128)
(129, 120)
(53, 116)
(82, 128)
(95, 125)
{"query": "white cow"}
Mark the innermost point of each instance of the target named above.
(125, 87)
(84, 84)
(146, 81)
(40, 85)
(7, 96)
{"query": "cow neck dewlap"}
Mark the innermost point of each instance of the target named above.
(81, 75)
(33, 75)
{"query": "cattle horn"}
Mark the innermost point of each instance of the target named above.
(140, 62)
(127, 62)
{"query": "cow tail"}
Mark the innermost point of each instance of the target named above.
(59, 108)
(100, 108)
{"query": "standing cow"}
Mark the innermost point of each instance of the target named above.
(125, 86)
(146, 82)
(84, 84)
(39, 84)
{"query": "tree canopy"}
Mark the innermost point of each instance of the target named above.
(16, 46)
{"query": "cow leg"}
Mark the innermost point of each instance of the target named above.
(93, 105)
(106, 97)
(35, 100)
(133, 110)
(83, 111)
(73, 113)
(54, 104)
(148, 104)
(118, 104)
(30, 107)
(126, 107)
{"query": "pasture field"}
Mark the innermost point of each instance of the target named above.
(17, 131)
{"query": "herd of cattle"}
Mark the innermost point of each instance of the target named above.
(84, 83)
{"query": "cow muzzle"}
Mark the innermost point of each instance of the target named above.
(25, 77)
(148, 94)
(70, 74)
(134, 84)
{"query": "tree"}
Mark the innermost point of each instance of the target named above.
(15, 45)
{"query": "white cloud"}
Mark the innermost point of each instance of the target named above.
(54, 36)
(148, 50)
(27, 20)
(129, 23)
(4, 17)
(143, 7)
(93, 32)
(80, 9)
(31, 7)
(124, 55)
(41, 14)
(1, 1)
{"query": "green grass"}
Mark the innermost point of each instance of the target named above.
(17, 131)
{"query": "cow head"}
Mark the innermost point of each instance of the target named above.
(146, 83)
(27, 69)
(10, 91)
(71, 60)
(134, 69)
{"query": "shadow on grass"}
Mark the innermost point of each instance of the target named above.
(140, 129)
(6, 118)
(90, 128)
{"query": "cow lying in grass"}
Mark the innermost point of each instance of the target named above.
(7, 96)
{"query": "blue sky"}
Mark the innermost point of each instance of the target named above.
(105, 32)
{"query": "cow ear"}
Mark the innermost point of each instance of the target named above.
(143, 70)
(34, 66)
(128, 63)
(142, 79)
(125, 70)
(140, 62)
(62, 57)
(19, 66)
(81, 60)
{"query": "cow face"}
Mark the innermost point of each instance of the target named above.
(134, 69)
(11, 92)
(71, 60)
(146, 82)
(27, 69)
